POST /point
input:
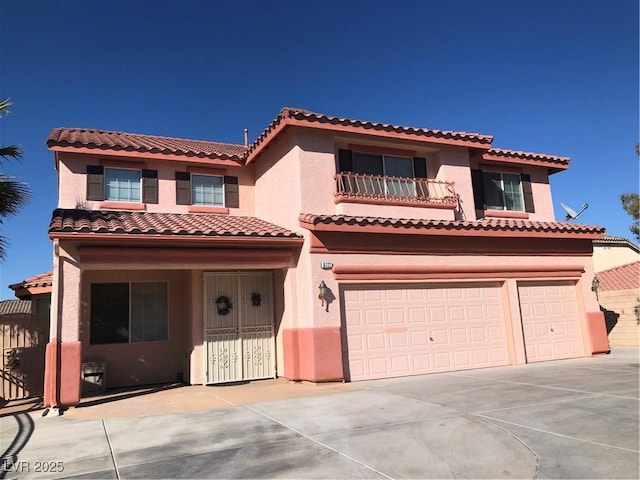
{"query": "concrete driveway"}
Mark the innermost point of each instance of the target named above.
(564, 419)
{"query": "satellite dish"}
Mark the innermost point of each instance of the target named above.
(571, 213)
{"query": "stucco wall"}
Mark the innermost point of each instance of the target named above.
(143, 362)
(610, 256)
(620, 314)
(332, 316)
(73, 183)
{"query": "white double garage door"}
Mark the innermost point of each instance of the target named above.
(393, 331)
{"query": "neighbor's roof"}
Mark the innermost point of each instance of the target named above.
(133, 142)
(71, 221)
(12, 307)
(404, 225)
(37, 284)
(625, 277)
(327, 121)
(611, 240)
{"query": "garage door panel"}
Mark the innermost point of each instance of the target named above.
(373, 318)
(378, 366)
(396, 316)
(400, 365)
(398, 340)
(437, 314)
(550, 321)
(461, 359)
(374, 341)
(456, 314)
(439, 334)
(459, 335)
(417, 316)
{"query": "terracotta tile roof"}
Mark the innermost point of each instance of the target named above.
(561, 162)
(108, 140)
(40, 280)
(12, 307)
(497, 225)
(173, 224)
(611, 240)
(625, 277)
(319, 118)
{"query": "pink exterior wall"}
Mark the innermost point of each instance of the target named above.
(145, 362)
(73, 183)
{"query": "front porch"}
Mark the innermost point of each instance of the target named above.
(147, 309)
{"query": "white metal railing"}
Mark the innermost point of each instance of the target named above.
(395, 189)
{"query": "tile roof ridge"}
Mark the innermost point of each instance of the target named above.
(619, 267)
(521, 153)
(293, 110)
(147, 135)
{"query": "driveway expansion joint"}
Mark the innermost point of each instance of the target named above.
(113, 457)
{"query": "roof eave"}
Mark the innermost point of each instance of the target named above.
(263, 143)
(444, 231)
(551, 166)
(205, 159)
(245, 241)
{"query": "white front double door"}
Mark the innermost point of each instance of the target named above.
(238, 326)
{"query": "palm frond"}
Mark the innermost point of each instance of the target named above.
(4, 106)
(13, 195)
(4, 244)
(12, 151)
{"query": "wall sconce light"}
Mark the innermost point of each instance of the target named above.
(595, 285)
(322, 294)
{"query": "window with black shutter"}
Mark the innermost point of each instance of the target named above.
(207, 190)
(502, 191)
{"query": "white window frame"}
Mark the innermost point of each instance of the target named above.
(106, 187)
(193, 196)
(504, 206)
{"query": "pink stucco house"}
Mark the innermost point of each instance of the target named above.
(327, 249)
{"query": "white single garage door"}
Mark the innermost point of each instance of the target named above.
(393, 331)
(550, 321)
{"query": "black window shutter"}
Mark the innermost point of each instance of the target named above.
(420, 171)
(149, 186)
(420, 167)
(183, 188)
(95, 182)
(231, 194)
(477, 183)
(525, 181)
(345, 160)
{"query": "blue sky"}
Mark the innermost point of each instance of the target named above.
(557, 77)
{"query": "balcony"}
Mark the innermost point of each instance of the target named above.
(378, 189)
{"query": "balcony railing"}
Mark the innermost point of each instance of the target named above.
(394, 190)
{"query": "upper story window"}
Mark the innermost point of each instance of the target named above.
(378, 174)
(122, 184)
(206, 190)
(389, 178)
(502, 191)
